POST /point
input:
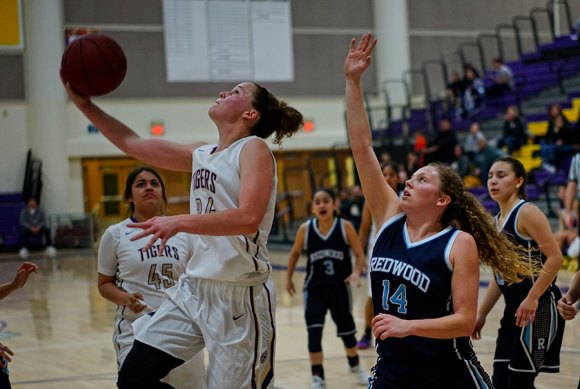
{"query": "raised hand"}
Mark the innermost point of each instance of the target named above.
(358, 58)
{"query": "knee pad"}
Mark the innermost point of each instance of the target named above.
(349, 341)
(315, 340)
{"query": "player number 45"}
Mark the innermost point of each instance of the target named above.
(398, 298)
(157, 280)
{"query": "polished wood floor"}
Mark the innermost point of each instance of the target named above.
(60, 330)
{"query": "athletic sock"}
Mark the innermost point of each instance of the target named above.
(353, 361)
(317, 370)
(368, 332)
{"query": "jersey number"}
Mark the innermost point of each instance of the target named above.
(156, 279)
(209, 207)
(329, 267)
(398, 298)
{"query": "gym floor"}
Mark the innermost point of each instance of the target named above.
(60, 329)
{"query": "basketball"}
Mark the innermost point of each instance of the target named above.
(93, 65)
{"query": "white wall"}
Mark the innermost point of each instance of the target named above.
(186, 120)
(13, 147)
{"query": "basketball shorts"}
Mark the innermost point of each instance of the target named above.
(429, 373)
(536, 347)
(235, 323)
(337, 300)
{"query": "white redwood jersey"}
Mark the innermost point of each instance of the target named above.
(147, 272)
(215, 187)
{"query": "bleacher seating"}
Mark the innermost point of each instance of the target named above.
(10, 206)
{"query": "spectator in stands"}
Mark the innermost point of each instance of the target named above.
(503, 79)
(471, 141)
(485, 157)
(576, 33)
(419, 143)
(554, 110)
(351, 205)
(33, 222)
(454, 90)
(514, 131)
(413, 164)
(20, 278)
(473, 92)
(385, 157)
(561, 142)
(441, 148)
(461, 163)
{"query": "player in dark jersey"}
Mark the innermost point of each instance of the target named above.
(531, 330)
(424, 271)
(327, 240)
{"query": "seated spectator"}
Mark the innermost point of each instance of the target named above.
(554, 110)
(33, 222)
(385, 157)
(503, 79)
(485, 157)
(473, 93)
(351, 208)
(461, 163)
(576, 33)
(454, 91)
(514, 131)
(419, 143)
(413, 164)
(441, 148)
(560, 143)
(471, 141)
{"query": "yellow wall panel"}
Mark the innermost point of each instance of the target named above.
(10, 24)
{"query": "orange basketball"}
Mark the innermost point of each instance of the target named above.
(93, 65)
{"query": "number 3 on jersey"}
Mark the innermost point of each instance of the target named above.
(398, 298)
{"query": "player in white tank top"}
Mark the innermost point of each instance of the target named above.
(135, 279)
(226, 300)
(215, 185)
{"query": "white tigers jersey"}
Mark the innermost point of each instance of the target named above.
(215, 187)
(147, 272)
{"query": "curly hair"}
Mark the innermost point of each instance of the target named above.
(465, 212)
(275, 116)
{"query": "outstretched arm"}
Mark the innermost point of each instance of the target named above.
(156, 152)
(20, 278)
(375, 188)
